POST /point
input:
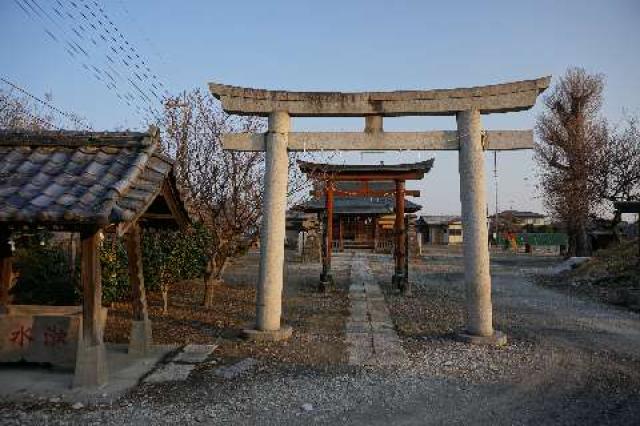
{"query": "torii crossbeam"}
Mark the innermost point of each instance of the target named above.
(467, 104)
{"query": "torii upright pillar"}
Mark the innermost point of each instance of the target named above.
(473, 199)
(272, 233)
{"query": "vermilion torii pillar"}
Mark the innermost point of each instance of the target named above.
(465, 104)
(326, 278)
(400, 276)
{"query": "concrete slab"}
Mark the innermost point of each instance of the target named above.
(358, 296)
(193, 354)
(358, 307)
(353, 326)
(21, 382)
(382, 327)
(170, 372)
(356, 288)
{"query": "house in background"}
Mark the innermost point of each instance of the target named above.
(516, 221)
(440, 230)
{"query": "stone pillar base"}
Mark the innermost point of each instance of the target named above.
(398, 281)
(326, 282)
(91, 366)
(498, 338)
(268, 335)
(405, 289)
(140, 338)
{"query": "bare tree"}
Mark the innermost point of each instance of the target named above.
(571, 150)
(620, 173)
(222, 189)
(18, 112)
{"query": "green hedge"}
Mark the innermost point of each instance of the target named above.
(538, 239)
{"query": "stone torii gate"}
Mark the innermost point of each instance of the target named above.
(466, 104)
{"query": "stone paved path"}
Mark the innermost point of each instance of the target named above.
(370, 334)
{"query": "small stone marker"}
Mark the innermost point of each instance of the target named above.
(234, 370)
(193, 354)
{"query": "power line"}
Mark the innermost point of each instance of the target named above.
(72, 117)
(133, 58)
(92, 33)
(97, 30)
(67, 45)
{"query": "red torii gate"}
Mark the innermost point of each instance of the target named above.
(398, 173)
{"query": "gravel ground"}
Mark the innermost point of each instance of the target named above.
(568, 361)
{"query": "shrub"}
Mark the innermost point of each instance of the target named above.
(166, 256)
(45, 277)
(115, 275)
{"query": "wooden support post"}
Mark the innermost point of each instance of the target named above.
(6, 268)
(398, 279)
(340, 233)
(376, 232)
(91, 363)
(140, 339)
(327, 279)
(91, 287)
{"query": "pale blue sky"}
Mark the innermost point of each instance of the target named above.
(327, 45)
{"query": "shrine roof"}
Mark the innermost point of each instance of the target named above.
(419, 168)
(83, 178)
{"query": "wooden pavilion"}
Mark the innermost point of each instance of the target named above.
(86, 183)
(350, 191)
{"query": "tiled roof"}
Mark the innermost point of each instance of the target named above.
(422, 166)
(439, 219)
(359, 205)
(78, 178)
(517, 213)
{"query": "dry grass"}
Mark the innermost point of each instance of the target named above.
(611, 276)
(317, 319)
